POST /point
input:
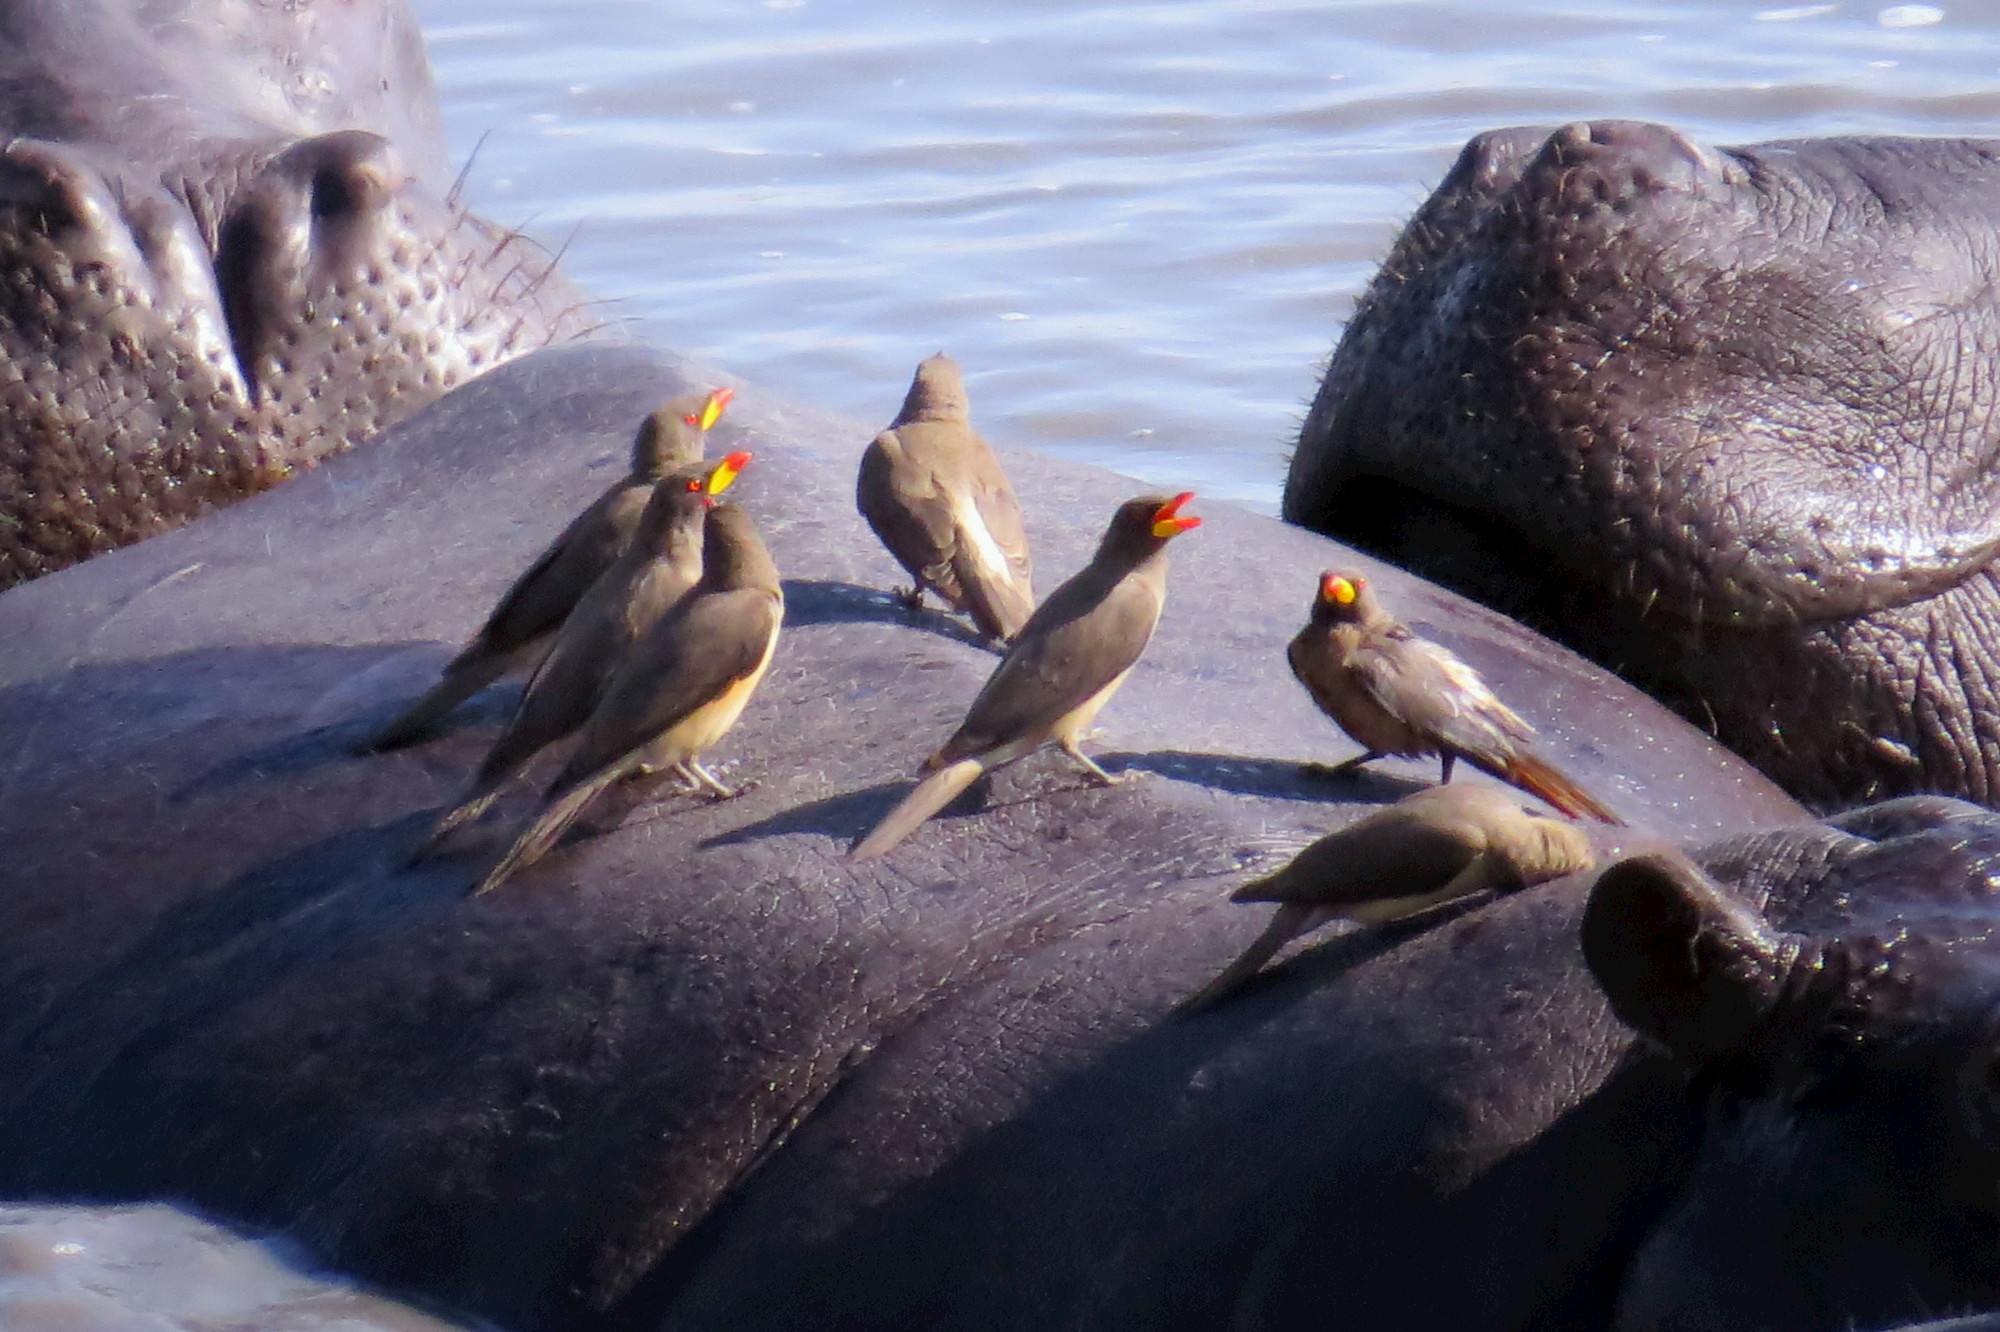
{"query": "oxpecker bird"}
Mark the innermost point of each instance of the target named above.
(661, 566)
(933, 491)
(676, 691)
(530, 611)
(1397, 693)
(1065, 664)
(1433, 847)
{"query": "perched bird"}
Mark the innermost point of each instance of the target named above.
(535, 606)
(934, 493)
(1065, 664)
(1396, 693)
(660, 567)
(1433, 847)
(676, 691)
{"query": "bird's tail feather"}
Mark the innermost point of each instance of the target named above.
(1290, 921)
(547, 827)
(926, 798)
(465, 811)
(459, 683)
(1545, 781)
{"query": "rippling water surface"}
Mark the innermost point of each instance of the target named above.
(1139, 225)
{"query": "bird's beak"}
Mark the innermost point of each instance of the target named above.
(725, 473)
(1168, 521)
(1337, 591)
(711, 411)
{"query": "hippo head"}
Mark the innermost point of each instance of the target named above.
(1722, 419)
(226, 251)
(1837, 1006)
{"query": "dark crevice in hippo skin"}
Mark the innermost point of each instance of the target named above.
(1718, 418)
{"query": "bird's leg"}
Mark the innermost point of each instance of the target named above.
(1340, 769)
(1446, 759)
(705, 778)
(1069, 748)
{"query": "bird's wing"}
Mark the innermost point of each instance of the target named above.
(908, 507)
(1431, 689)
(1075, 645)
(564, 689)
(991, 547)
(1384, 856)
(549, 588)
(999, 508)
(688, 659)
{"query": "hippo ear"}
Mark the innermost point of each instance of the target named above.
(1681, 959)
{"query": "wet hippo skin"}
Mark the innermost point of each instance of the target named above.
(1720, 418)
(702, 1043)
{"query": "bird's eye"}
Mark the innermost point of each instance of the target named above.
(693, 486)
(692, 419)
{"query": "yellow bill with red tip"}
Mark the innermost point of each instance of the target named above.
(1338, 591)
(711, 411)
(1168, 521)
(725, 473)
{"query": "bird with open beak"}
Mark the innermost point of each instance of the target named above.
(1397, 693)
(1065, 664)
(528, 614)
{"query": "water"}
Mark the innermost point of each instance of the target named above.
(1140, 226)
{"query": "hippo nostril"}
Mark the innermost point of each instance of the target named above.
(331, 193)
(349, 188)
(36, 177)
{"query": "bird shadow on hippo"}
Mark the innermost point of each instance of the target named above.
(677, 1076)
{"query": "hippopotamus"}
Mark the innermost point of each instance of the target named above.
(700, 1069)
(230, 249)
(1718, 418)
(1829, 990)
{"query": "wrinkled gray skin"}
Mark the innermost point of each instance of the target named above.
(1721, 419)
(227, 249)
(700, 1070)
(1834, 1004)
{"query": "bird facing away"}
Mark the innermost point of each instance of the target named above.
(1435, 846)
(659, 567)
(530, 611)
(1396, 693)
(934, 493)
(676, 691)
(1065, 664)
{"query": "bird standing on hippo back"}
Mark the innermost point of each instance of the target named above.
(661, 566)
(1065, 664)
(1397, 693)
(531, 610)
(676, 691)
(934, 493)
